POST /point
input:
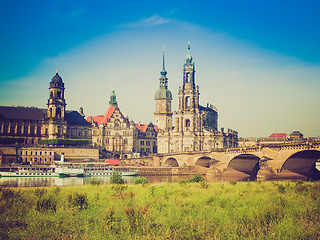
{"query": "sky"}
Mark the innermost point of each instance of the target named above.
(258, 62)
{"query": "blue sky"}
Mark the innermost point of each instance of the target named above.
(257, 61)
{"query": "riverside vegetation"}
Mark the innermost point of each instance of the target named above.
(186, 210)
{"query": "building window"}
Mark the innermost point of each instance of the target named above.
(142, 143)
(147, 143)
(187, 102)
(187, 123)
(187, 77)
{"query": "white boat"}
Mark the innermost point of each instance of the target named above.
(70, 170)
(91, 170)
(31, 171)
(104, 170)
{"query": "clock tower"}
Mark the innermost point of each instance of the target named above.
(163, 97)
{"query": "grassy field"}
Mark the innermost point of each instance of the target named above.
(235, 210)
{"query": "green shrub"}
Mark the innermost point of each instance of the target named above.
(116, 178)
(46, 204)
(140, 180)
(233, 182)
(196, 178)
(39, 192)
(204, 184)
(119, 188)
(78, 200)
(95, 181)
(281, 188)
(65, 142)
(183, 182)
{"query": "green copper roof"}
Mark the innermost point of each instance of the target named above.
(189, 57)
(113, 99)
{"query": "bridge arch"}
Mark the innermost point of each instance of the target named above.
(171, 161)
(303, 162)
(246, 163)
(203, 162)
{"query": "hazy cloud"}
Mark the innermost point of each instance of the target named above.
(154, 20)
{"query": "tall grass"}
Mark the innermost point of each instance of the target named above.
(250, 210)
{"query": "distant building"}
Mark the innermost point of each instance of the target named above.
(296, 135)
(278, 135)
(31, 124)
(26, 126)
(119, 136)
(196, 127)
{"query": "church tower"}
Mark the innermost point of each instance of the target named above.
(187, 119)
(163, 97)
(56, 109)
(56, 102)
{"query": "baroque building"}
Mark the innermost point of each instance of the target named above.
(196, 127)
(31, 124)
(120, 136)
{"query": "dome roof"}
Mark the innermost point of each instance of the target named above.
(56, 78)
(163, 93)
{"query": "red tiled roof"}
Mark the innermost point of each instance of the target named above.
(113, 162)
(143, 127)
(103, 118)
(278, 135)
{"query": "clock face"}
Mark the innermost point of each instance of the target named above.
(162, 118)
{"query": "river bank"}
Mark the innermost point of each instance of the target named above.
(234, 210)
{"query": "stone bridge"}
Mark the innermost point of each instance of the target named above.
(263, 160)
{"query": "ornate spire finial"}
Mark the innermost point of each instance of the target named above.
(57, 71)
(163, 71)
(113, 99)
(163, 66)
(188, 57)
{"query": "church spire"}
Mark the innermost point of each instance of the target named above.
(163, 71)
(188, 57)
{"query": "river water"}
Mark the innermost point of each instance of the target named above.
(56, 181)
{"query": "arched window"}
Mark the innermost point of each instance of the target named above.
(58, 111)
(187, 123)
(187, 102)
(117, 124)
(187, 77)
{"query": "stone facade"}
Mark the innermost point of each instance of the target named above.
(195, 126)
(119, 136)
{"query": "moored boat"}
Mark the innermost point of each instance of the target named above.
(91, 170)
(31, 171)
(104, 170)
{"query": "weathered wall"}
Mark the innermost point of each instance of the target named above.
(8, 155)
(76, 154)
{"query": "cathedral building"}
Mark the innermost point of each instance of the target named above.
(31, 124)
(196, 127)
(120, 136)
